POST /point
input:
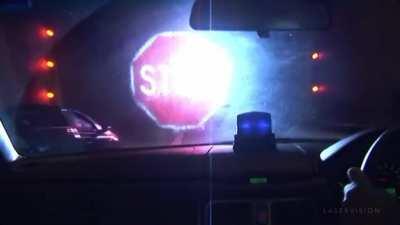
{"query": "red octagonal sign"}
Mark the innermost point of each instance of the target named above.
(180, 79)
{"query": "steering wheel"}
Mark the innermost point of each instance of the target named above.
(382, 162)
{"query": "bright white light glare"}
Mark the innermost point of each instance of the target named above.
(6, 148)
(180, 79)
(201, 71)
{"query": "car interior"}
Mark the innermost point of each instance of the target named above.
(184, 154)
(193, 185)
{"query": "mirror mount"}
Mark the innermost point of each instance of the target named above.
(259, 15)
(263, 33)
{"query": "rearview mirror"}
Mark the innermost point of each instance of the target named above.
(259, 15)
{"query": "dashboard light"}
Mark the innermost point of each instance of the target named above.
(258, 180)
(391, 191)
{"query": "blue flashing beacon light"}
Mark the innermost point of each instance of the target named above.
(254, 133)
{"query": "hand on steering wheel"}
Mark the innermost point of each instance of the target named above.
(366, 205)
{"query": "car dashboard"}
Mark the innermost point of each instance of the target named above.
(198, 185)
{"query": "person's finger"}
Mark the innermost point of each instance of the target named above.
(347, 191)
(352, 192)
(356, 176)
(348, 187)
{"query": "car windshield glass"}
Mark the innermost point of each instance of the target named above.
(147, 78)
(78, 121)
(42, 119)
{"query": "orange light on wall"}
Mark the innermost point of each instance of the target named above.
(317, 55)
(45, 96)
(46, 32)
(315, 89)
(44, 64)
(50, 33)
(50, 95)
(50, 64)
(318, 88)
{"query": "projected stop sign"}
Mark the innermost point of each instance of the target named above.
(180, 79)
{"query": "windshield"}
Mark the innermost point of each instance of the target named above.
(147, 78)
(78, 121)
(42, 119)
